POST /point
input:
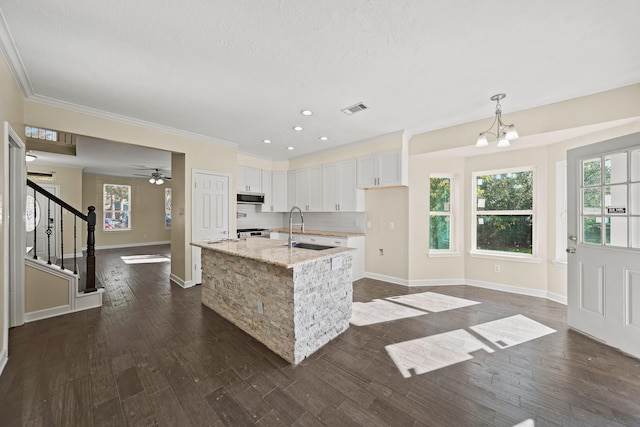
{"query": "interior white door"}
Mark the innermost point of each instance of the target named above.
(603, 224)
(210, 213)
(46, 217)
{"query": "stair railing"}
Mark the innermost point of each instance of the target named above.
(54, 202)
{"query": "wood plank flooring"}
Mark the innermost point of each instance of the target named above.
(153, 355)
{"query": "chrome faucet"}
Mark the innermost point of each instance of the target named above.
(291, 224)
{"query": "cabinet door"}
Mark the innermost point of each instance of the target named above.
(267, 189)
(292, 190)
(253, 180)
(330, 187)
(241, 185)
(367, 172)
(389, 172)
(302, 189)
(314, 185)
(350, 198)
(279, 191)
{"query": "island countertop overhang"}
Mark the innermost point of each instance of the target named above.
(270, 251)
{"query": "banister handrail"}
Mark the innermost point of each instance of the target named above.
(57, 200)
(89, 218)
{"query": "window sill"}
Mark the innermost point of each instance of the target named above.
(433, 254)
(560, 264)
(507, 257)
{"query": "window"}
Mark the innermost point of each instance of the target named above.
(503, 211)
(117, 207)
(167, 208)
(440, 217)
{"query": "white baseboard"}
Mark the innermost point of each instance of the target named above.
(131, 245)
(70, 256)
(178, 281)
(390, 279)
(89, 300)
(4, 357)
(436, 282)
(46, 313)
(477, 283)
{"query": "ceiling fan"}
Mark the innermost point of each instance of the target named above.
(157, 177)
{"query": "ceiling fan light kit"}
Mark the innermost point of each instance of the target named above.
(157, 177)
(504, 133)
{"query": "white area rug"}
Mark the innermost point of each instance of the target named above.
(512, 330)
(144, 259)
(427, 354)
(432, 301)
(378, 311)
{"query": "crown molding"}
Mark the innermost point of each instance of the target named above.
(127, 120)
(13, 59)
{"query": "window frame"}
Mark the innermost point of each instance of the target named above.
(453, 246)
(128, 211)
(485, 253)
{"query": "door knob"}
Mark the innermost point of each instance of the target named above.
(570, 250)
(573, 238)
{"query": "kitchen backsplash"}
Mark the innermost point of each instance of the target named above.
(256, 219)
(352, 222)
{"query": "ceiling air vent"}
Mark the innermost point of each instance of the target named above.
(354, 109)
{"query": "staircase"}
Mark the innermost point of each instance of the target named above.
(58, 286)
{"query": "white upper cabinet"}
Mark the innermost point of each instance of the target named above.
(274, 185)
(249, 180)
(383, 170)
(305, 189)
(339, 188)
(292, 190)
(279, 191)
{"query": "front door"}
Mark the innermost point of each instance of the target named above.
(603, 224)
(210, 213)
(42, 224)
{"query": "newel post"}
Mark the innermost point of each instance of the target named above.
(91, 250)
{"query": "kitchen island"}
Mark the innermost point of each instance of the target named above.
(292, 300)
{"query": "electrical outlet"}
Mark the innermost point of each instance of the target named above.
(496, 268)
(381, 251)
(260, 307)
(212, 283)
(392, 226)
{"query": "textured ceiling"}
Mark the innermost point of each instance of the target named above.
(241, 71)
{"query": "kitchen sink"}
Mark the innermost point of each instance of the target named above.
(310, 246)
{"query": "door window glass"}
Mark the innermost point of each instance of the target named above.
(635, 165)
(591, 172)
(610, 204)
(615, 168)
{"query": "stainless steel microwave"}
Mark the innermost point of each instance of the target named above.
(251, 198)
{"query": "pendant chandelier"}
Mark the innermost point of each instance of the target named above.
(503, 133)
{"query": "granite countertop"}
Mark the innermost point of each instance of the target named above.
(269, 251)
(318, 232)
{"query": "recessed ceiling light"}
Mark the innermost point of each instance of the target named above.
(323, 138)
(289, 148)
(306, 112)
(267, 141)
(297, 128)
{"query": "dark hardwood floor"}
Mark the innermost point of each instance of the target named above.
(153, 355)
